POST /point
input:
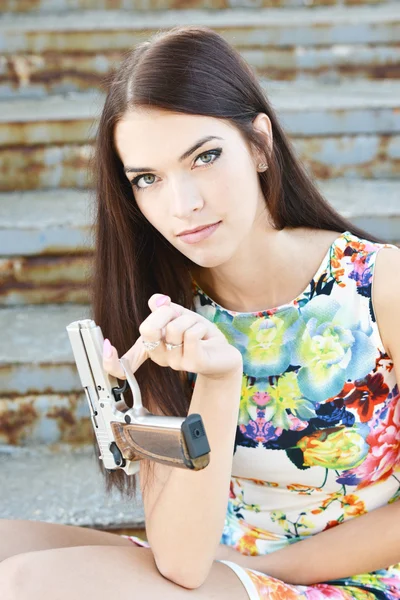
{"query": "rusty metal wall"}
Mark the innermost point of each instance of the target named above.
(41, 398)
(44, 279)
(45, 233)
(52, 72)
(45, 419)
(44, 54)
(65, 166)
(24, 6)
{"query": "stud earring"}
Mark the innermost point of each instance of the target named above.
(262, 167)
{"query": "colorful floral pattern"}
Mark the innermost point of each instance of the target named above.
(319, 418)
(318, 423)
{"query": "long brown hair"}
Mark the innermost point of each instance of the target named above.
(191, 70)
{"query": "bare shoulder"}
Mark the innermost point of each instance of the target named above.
(313, 241)
(386, 299)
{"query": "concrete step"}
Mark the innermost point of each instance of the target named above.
(63, 485)
(346, 130)
(45, 54)
(28, 6)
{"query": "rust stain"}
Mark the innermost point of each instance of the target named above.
(162, 5)
(381, 164)
(72, 167)
(15, 423)
(9, 371)
(38, 294)
(22, 67)
(83, 80)
(42, 269)
(87, 68)
(62, 415)
(24, 272)
(5, 367)
(72, 430)
(37, 133)
(19, 416)
(371, 71)
(84, 68)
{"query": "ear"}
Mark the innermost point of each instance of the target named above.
(263, 125)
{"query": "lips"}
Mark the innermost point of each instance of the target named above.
(199, 236)
(197, 229)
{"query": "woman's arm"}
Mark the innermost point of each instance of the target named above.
(362, 544)
(187, 520)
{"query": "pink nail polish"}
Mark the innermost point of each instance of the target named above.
(162, 300)
(107, 349)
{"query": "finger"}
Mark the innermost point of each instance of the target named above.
(152, 327)
(136, 355)
(181, 310)
(166, 300)
(175, 329)
(193, 335)
(111, 363)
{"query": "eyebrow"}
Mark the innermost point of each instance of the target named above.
(184, 155)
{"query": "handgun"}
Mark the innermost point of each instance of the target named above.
(127, 435)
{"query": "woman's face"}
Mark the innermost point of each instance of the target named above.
(217, 182)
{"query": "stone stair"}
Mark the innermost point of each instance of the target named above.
(331, 69)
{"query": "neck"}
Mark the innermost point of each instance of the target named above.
(260, 275)
(270, 269)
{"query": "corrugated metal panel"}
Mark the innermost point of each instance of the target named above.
(370, 156)
(29, 168)
(118, 30)
(38, 376)
(156, 5)
(73, 71)
(43, 279)
(365, 156)
(45, 419)
(306, 109)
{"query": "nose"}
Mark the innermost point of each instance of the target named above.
(186, 198)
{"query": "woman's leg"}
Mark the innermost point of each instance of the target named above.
(102, 573)
(20, 536)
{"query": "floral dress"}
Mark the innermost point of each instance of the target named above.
(318, 435)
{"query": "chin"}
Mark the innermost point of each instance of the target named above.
(210, 261)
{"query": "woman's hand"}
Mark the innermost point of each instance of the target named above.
(205, 349)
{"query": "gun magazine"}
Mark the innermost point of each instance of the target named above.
(136, 442)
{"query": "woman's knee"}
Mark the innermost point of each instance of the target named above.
(12, 573)
(37, 575)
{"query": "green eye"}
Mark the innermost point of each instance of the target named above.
(216, 153)
(137, 179)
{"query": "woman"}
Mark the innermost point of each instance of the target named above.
(264, 323)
